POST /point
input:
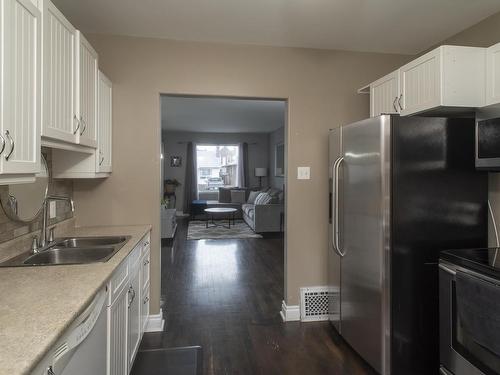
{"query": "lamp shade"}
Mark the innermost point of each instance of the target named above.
(260, 172)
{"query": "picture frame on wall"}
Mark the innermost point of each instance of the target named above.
(175, 161)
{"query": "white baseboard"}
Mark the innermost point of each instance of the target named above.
(290, 313)
(155, 323)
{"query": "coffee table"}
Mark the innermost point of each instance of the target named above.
(229, 212)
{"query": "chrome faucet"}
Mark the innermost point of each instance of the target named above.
(45, 240)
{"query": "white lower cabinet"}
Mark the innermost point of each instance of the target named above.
(134, 312)
(128, 309)
(117, 335)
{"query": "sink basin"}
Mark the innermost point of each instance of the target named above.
(65, 255)
(72, 242)
(71, 250)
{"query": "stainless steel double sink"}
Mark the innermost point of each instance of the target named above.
(71, 250)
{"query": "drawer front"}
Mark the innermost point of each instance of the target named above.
(134, 257)
(146, 243)
(118, 281)
(146, 261)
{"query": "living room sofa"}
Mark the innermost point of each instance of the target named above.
(263, 218)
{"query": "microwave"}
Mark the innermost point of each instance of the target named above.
(488, 144)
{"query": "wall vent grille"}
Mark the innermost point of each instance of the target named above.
(314, 302)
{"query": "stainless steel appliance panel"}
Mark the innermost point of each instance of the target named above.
(363, 236)
(334, 259)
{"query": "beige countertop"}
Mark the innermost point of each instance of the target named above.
(37, 304)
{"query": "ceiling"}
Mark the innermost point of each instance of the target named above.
(397, 26)
(221, 115)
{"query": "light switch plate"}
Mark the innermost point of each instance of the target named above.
(52, 209)
(303, 173)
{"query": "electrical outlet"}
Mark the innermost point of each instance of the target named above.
(52, 209)
(303, 173)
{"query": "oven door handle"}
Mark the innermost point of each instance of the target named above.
(447, 269)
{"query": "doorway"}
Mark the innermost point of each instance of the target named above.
(226, 268)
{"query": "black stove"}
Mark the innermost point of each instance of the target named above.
(484, 260)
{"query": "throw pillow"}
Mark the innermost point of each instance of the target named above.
(263, 198)
(252, 196)
(238, 196)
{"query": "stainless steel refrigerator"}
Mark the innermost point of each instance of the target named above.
(401, 190)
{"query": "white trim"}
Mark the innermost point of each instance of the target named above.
(290, 313)
(155, 323)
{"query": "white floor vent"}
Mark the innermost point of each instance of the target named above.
(314, 303)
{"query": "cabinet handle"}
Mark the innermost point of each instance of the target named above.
(11, 141)
(84, 125)
(131, 291)
(146, 299)
(78, 126)
(3, 144)
(146, 262)
(394, 104)
(399, 101)
(50, 371)
(102, 159)
(146, 243)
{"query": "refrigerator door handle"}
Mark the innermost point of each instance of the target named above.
(336, 240)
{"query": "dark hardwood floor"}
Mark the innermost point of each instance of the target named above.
(225, 295)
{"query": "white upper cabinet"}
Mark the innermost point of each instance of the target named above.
(421, 83)
(448, 76)
(493, 75)
(384, 95)
(104, 124)
(20, 116)
(59, 38)
(86, 68)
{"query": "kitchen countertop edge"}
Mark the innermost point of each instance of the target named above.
(20, 364)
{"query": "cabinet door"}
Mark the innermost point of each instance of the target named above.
(384, 95)
(21, 87)
(59, 38)
(87, 92)
(493, 74)
(421, 83)
(104, 124)
(117, 335)
(134, 313)
(145, 310)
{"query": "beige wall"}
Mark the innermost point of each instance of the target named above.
(483, 34)
(320, 87)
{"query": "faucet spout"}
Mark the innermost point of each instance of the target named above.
(43, 236)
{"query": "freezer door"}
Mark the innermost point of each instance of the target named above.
(365, 242)
(335, 152)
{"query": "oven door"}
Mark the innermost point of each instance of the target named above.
(463, 352)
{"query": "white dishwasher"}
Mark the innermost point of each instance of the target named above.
(82, 349)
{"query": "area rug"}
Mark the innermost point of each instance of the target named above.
(197, 231)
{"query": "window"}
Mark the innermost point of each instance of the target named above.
(217, 167)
